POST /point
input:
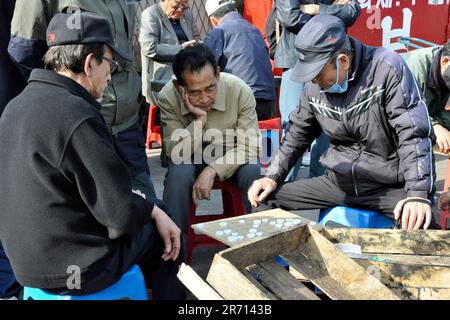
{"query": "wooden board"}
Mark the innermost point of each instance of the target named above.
(418, 242)
(250, 227)
(337, 275)
(199, 288)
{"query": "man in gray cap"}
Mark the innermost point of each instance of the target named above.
(368, 104)
(66, 198)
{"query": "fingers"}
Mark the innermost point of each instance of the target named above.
(172, 244)
(405, 217)
(253, 193)
(428, 216)
(264, 194)
(398, 209)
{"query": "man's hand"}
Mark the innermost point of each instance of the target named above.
(188, 43)
(442, 138)
(266, 185)
(444, 200)
(169, 232)
(200, 115)
(414, 214)
(311, 9)
(203, 185)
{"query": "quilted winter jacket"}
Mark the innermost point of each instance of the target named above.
(379, 130)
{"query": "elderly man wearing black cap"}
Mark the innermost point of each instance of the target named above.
(366, 101)
(66, 200)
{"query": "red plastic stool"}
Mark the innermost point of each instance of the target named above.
(153, 131)
(267, 128)
(233, 205)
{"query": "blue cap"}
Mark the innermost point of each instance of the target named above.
(316, 42)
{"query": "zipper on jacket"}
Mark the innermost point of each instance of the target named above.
(355, 184)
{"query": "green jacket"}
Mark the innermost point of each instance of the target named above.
(27, 46)
(420, 63)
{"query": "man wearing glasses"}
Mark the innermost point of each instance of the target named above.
(211, 131)
(66, 198)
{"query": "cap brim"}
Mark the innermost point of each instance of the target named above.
(306, 71)
(121, 53)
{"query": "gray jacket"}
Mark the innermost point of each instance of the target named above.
(159, 45)
(28, 45)
(379, 130)
(292, 20)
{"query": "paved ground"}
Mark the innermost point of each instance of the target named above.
(202, 257)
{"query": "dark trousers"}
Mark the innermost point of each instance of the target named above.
(8, 285)
(266, 109)
(144, 249)
(178, 189)
(323, 192)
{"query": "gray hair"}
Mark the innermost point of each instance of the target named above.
(72, 57)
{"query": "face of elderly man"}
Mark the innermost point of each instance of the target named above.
(175, 8)
(99, 74)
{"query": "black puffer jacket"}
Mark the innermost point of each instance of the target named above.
(379, 130)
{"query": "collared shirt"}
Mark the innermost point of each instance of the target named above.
(234, 110)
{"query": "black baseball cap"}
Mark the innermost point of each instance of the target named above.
(316, 42)
(82, 28)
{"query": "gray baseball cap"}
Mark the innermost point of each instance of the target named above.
(316, 42)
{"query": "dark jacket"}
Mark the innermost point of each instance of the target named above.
(379, 130)
(239, 49)
(292, 20)
(425, 66)
(11, 82)
(65, 195)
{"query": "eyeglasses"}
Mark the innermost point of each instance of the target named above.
(113, 65)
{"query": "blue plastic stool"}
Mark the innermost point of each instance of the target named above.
(130, 286)
(355, 218)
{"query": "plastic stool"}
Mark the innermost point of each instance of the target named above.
(233, 205)
(271, 135)
(153, 131)
(130, 286)
(355, 218)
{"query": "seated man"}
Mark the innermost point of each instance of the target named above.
(239, 49)
(211, 131)
(430, 67)
(66, 201)
(367, 102)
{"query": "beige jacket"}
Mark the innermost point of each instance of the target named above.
(159, 45)
(232, 122)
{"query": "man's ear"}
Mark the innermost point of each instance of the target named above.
(218, 73)
(445, 62)
(88, 64)
(345, 60)
(176, 84)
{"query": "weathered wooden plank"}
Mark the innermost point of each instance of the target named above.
(249, 253)
(417, 242)
(280, 282)
(234, 284)
(199, 288)
(418, 276)
(409, 259)
(328, 260)
(434, 294)
(318, 276)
